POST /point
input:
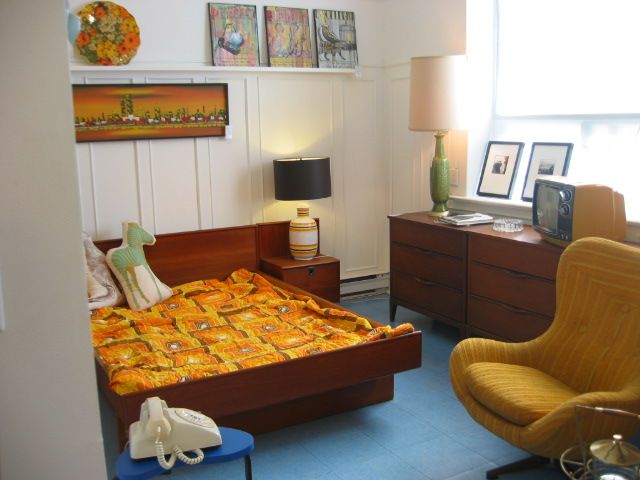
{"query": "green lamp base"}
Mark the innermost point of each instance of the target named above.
(439, 180)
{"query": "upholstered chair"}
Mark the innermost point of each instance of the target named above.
(526, 393)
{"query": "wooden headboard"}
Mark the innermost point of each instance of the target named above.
(183, 257)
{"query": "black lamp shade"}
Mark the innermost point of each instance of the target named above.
(302, 178)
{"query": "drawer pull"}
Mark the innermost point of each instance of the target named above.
(311, 271)
(522, 276)
(423, 251)
(511, 309)
(424, 282)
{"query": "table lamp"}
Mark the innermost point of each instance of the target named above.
(302, 179)
(435, 105)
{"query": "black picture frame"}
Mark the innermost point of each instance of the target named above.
(147, 111)
(546, 158)
(336, 44)
(234, 35)
(499, 169)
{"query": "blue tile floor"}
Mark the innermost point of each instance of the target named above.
(422, 434)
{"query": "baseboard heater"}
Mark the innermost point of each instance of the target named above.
(364, 286)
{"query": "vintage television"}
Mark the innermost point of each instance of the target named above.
(565, 210)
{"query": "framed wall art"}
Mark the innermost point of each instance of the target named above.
(288, 37)
(234, 35)
(148, 111)
(546, 159)
(499, 169)
(336, 44)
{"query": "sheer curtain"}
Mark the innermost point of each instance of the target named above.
(569, 71)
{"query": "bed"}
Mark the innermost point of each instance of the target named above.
(266, 397)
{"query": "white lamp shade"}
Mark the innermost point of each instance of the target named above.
(437, 93)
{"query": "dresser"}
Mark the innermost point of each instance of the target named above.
(485, 283)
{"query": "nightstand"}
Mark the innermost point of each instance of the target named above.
(320, 275)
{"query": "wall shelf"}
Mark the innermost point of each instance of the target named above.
(187, 67)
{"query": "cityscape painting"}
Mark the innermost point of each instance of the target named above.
(149, 111)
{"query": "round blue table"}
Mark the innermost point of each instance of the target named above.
(235, 444)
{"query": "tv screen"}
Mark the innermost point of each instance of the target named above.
(548, 198)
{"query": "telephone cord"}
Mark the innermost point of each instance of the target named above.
(189, 460)
(167, 465)
(177, 453)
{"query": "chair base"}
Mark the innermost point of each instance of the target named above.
(518, 466)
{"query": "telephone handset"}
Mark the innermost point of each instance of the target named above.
(175, 430)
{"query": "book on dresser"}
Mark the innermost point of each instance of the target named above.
(467, 219)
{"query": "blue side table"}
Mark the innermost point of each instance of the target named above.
(235, 444)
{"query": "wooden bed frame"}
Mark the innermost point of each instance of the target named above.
(273, 396)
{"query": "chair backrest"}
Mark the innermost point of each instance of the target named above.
(593, 343)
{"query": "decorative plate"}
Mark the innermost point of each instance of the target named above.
(109, 35)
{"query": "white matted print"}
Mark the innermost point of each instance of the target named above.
(546, 159)
(499, 169)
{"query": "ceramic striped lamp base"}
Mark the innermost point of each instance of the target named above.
(303, 236)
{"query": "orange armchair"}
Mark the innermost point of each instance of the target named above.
(526, 393)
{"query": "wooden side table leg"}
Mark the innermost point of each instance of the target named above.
(392, 311)
(248, 474)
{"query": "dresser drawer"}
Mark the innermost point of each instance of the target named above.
(441, 240)
(429, 296)
(427, 265)
(540, 260)
(486, 318)
(513, 288)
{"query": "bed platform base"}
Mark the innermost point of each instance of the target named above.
(272, 396)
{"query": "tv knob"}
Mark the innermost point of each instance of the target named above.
(565, 195)
(564, 209)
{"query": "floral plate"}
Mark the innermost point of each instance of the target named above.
(109, 35)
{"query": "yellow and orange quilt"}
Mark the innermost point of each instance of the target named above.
(210, 327)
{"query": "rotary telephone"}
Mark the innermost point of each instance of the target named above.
(176, 430)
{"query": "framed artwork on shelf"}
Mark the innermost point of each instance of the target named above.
(234, 35)
(336, 44)
(546, 159)
(499, 169)
(288, 37)
(149, 111)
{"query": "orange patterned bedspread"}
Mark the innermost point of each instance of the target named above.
(211, 327)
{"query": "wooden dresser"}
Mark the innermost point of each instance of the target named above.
(489, 284)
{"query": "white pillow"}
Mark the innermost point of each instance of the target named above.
(102, 290)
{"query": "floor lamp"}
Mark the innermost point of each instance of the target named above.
(435, 106)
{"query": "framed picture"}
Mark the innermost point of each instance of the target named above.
(499, 169)
(147, 111)
(288, 37)
(546, 159)
(336, 44)
(234, 35)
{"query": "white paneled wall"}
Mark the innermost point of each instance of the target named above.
(378, 166)
(172, 185)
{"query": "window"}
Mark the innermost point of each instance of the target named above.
(569, 71)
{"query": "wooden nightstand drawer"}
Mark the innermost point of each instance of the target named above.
(513, 288)
(312, 276)
(320, 275)
(428, 265)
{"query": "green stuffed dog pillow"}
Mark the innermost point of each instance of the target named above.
(128, 263)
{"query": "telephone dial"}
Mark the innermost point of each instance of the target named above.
(163, 430)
